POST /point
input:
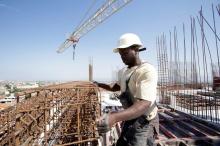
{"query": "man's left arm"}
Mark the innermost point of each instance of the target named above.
(136, 110)
(139, 108)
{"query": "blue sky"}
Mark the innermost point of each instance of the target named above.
(32, 30)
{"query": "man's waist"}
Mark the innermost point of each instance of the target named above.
(151, 114)
(146, 118)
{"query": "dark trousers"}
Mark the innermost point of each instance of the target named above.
(139, 132)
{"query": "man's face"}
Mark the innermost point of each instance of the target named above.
(128, 55)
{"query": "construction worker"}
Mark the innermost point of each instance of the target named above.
(137, 82)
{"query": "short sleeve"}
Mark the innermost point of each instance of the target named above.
(119, 77)
(147, 84)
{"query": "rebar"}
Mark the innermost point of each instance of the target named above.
(193, 85)
(56, 115)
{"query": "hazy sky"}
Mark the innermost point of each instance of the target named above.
(32, 30)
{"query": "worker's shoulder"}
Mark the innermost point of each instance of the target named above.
(146, 67)
(145, 71)
(122, 69)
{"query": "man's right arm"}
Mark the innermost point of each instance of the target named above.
(113, 88)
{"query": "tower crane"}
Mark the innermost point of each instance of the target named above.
(105, 11)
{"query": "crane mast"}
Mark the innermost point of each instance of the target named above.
(107, 9)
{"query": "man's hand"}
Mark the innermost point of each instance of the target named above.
(105, 123)
(96, 83)
(106, 86)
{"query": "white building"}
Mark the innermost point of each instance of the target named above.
(9, 99)
(2, 90)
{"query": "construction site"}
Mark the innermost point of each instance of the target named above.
(188, 93)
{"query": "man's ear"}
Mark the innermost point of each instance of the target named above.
(136, 49)
(137, 52)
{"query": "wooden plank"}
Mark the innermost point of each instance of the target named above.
(189, 127)
(207, 141)
(174, 125)
(166, 132)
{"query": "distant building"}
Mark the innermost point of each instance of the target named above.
(10, 99)
(27, 86)
(2, 90)
(7, 92)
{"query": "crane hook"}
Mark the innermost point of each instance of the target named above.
(74, 49)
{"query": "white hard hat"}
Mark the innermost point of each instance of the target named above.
(127, 40)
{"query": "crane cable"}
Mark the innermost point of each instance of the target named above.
(218, 9)
(81, 21)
